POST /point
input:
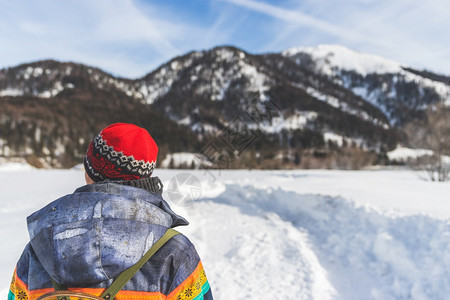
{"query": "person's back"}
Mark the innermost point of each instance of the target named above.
(85, 240)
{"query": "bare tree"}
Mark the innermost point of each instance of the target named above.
(439, 139)
(434, 133)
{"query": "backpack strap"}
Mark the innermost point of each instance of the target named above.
(58, 288)
(126, 275)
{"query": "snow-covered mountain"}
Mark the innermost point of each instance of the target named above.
(330, 59)
(47, 79)
(399, 91)
(292, 100)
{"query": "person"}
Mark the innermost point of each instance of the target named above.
(84, 240)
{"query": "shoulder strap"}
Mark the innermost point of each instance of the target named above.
(126, 275)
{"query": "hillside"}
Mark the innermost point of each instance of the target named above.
(311, 103)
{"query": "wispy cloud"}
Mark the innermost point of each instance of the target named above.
(120, 36)
(223, 29)
(120, 21)
(131, 37)
(409, 31)
(300, 18)
(32, 28)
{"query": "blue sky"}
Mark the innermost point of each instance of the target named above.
(130, 38)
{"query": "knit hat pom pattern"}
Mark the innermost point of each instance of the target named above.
(121, 152)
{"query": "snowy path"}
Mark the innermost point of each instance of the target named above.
(255, 256)
(288, 235)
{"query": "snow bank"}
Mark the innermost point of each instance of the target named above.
(403, 153)
(305, 246)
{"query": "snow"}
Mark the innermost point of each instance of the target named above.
(37, 135)
(161, 82)
(225, 54)
(371, 97)
(59, 149)
(182, 158)
(185, 121)
(163, 79)
(14, 166)
(11, 92)
(204, 127)
(160, 85)
(335, 138)
(38, 72)
(332, 57)
(222, 75)
(332, 101)
(403, 153)
(302, 234)
(257, 79)
(298, 120)
(343, 106)
(442, 89)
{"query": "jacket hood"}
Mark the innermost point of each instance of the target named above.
(98, 231)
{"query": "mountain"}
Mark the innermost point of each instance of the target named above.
(400, 92)
(49, 111)
(304, 102)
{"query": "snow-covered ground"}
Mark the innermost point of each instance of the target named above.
(285, 234)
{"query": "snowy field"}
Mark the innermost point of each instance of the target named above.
(284, 234)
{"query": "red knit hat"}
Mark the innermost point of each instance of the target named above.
(121, 152)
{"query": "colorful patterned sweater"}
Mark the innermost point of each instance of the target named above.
(86, 239)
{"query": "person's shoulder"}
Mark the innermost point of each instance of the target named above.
(183, 248)
(183, 241)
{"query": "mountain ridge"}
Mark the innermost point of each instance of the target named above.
(201, 93)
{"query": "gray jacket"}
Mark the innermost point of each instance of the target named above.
(86, 239)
